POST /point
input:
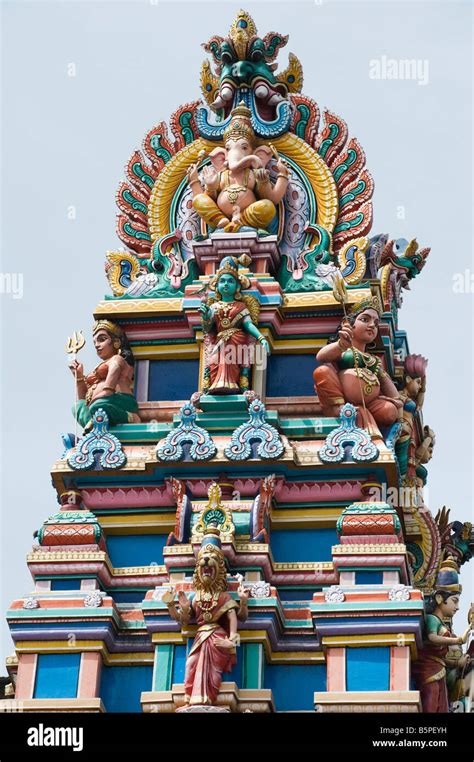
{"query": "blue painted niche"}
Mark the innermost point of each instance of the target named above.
(136, 549)
(290, 375)
(293, 685)
(121, 687)
(57, 675)
(172, 379)
(289, 545)
(368, 669)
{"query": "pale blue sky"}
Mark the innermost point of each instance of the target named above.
(66, 140)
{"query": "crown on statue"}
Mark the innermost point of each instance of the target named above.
(106, 325)
(240, 125)
(230, 265)
(369, 303)
(448, 577)
(242, 31)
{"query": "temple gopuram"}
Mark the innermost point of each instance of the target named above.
(240, 522)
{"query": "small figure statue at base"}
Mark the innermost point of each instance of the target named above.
(216, 613)
(429, 671)
(412, 396)
(110, 385)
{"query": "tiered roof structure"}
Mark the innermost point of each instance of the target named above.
(321, 516)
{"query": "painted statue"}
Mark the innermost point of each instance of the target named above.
(110, 385)
(429, 671)
(245, 67)
(412, 396)
(236, 177)
(349, 373)
(228, 321)
(216, 613)
(424, 451)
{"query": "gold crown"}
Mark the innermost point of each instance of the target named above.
(231, 266)
(369, 303)
(107, 325)
(241, 32)
(240, 125)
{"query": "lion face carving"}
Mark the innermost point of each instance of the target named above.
(210, 572)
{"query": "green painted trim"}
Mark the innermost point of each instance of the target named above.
(252, 665)
(163, 667)
(76, 613)
(213, 403)
(366, 606)
(309, 428)
(141, 432)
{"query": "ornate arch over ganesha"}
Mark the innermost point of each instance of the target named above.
(300, 189)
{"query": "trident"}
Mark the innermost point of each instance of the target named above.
(74, 345)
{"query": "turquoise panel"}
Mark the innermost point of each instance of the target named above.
(369, 578)
(179, 664)
(121, 687)
(136, 549)
(302, 544)
(57, 676)
(368, 669)
(293, 685)
(65, 584)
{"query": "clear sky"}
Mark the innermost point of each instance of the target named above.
(67, 138)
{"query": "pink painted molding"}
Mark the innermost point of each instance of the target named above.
(288, 492)
(400, 668)
(372, 539)
(89, 675)
(25, 681)
(138, 497)
(336, 669)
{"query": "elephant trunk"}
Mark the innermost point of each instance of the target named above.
(247, 161)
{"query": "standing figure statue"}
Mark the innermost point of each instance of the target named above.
(110, 385)
(349, 373)
(429, 671)
(228, 321)
(216, 613)
(412, 396)
(235, 179)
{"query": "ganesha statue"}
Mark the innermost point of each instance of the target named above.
(237, 190)
(216, 614)
(349, 373)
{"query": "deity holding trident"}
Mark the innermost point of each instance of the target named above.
(110, 385)
(348, 373)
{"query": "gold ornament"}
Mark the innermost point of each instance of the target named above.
(106, 325)
(369, 303)
(240, 125)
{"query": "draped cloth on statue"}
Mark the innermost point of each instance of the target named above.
(228, 355)
(378, 412)
(206, 661)
(257, 215)
(119, 408)
(429, 670)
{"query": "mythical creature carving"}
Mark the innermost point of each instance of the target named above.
(216, 614)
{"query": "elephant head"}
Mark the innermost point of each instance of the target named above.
(240, 154)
